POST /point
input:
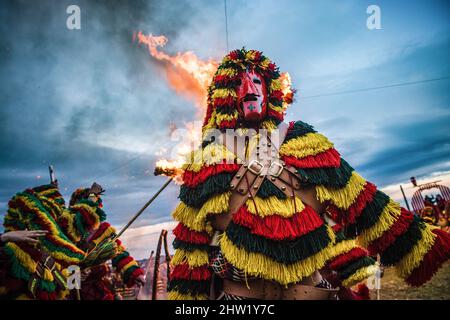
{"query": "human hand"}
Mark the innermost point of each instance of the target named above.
(23, 236)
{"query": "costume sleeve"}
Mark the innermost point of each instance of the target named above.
(205, 191)
(29, 210)
(402, 239)
(121, 260)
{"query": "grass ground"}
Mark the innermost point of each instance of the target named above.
(393, 288)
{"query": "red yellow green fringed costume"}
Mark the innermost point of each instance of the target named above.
(37, 209)
(84, 224)
(281, 240)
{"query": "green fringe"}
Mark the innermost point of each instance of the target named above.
(196, 197)
(285, 251)
(299, 129)
(193, 287)
(329, 177)
(354, 266)
(179, 244)
(404, 243)
(119, 257)
(370, 214)
(127, 274)
(268, 189)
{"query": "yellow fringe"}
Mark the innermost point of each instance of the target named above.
(360, 275)
(274, 206)
(413, 259)
(55, 231)
(275, 84)
(196, 258)
(71, 230)
(128, 265)
(215, 205)
(259, 265)
(307, 145)
(387, 218)
(275, 108)
(107, 233)
(175, 295)
(92, 213)
(344, 197)
(227, 72)
(27, 262)
(211, 155)
(223, 93)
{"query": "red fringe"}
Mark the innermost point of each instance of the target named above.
(432, 261)
(101, 229)
(122, 263)
(328, 158)
(366, 196)
(185, 234)
(226, 124)
(183, 272)
(399, 227)
(224, 102)
(88, 218)
(277, 94)
(346, 258)
(192, 179)
(276, 227)
(277, 115)
(134, 275)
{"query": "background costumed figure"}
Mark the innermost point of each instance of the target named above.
(37, 270)
(275, 240)
(84, 222)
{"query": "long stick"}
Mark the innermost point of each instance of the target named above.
(144, 207)
(404, 197)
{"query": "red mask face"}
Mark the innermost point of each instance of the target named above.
(252, 96)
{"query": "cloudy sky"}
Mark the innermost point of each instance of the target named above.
(95, 105)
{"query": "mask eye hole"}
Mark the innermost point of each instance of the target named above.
(238, 82)
(256, 80)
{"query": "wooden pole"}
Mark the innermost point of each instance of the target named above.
(156, 268)
(144, 207)
(404, 197)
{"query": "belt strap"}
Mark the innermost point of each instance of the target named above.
(251, 175)
(268, 290)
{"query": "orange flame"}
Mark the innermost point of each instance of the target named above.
(187, 74)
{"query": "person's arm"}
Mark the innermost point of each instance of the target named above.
(402, 239)
(22, 236)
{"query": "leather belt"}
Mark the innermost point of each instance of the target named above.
(252, 173)
(269, 290)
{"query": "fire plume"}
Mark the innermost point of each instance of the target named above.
(187, 74)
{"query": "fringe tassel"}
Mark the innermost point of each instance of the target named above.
(256, 264)
(328, 158)
(192, 179)
(183, 233)
(413, 259)
(390, 214)
(274, 206)
(432, 261)
(277, 228)
(310, 144)
(196, 258)
(185, 272)
(175, 295)
(345, 197)
(360, 275)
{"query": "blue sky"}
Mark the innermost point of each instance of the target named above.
(96, 106)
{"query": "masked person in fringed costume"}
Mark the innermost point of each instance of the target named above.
(91, 233)
(37, 270)
(282, 215)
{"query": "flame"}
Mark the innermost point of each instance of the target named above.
(187, 74)
(286, 84)
(169, 168)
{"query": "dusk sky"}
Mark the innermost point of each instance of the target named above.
(98, 107)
